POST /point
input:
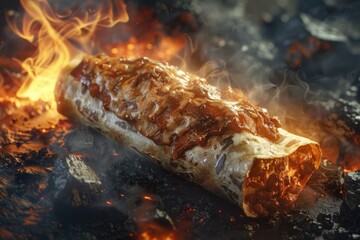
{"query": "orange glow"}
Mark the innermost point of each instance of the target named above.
(32, 217)
(148, 236)
(307, 120)
(61, 38)
(162, 48)
(149, 227)
(33, 170)
(148, 198)
(42, 186)
(57, 38)
(352, 160)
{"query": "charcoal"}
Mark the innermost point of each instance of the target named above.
(326, 180)
(163, 218)
(330, 235)
(297, 218)
(232, 235)
(325, 220)
(346, 111)
(343, 121)
(79, 141)
(132, 169)
(345, 116)
(353, 93)
(343, 234)
(313, 227)
(306, 235)
(93, 215)
(350, 207)
(40, 157)
(336, 217)
(74, 183)
(352, 188)
(156, 220)
(145, 208)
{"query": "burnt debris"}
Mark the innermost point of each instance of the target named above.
(137, 197)
(79, 141)
(350, 207)
(74, 183)
(343, 121)
(344, 116)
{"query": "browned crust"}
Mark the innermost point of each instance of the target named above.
(169, 106)
(227, 164)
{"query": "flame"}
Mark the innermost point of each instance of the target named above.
(62, 37)
(59, 38)
(149, 236)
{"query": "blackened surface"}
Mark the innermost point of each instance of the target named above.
(350, 207)
(130, 184)
(342, 120)
(346, 111)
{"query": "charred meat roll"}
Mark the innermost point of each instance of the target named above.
(213, 137)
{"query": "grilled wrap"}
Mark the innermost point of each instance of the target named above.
(213, 137)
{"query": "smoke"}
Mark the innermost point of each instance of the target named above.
(244, 44)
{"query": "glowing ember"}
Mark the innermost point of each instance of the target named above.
(146, 197)
(148, 236)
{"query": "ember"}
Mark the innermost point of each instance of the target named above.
(61, 180)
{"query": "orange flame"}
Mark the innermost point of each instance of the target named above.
(149, 236)
(57, 37)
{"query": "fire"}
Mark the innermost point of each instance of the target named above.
(152, 222)
(149, 236)
(59, 38)
(62, 37)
